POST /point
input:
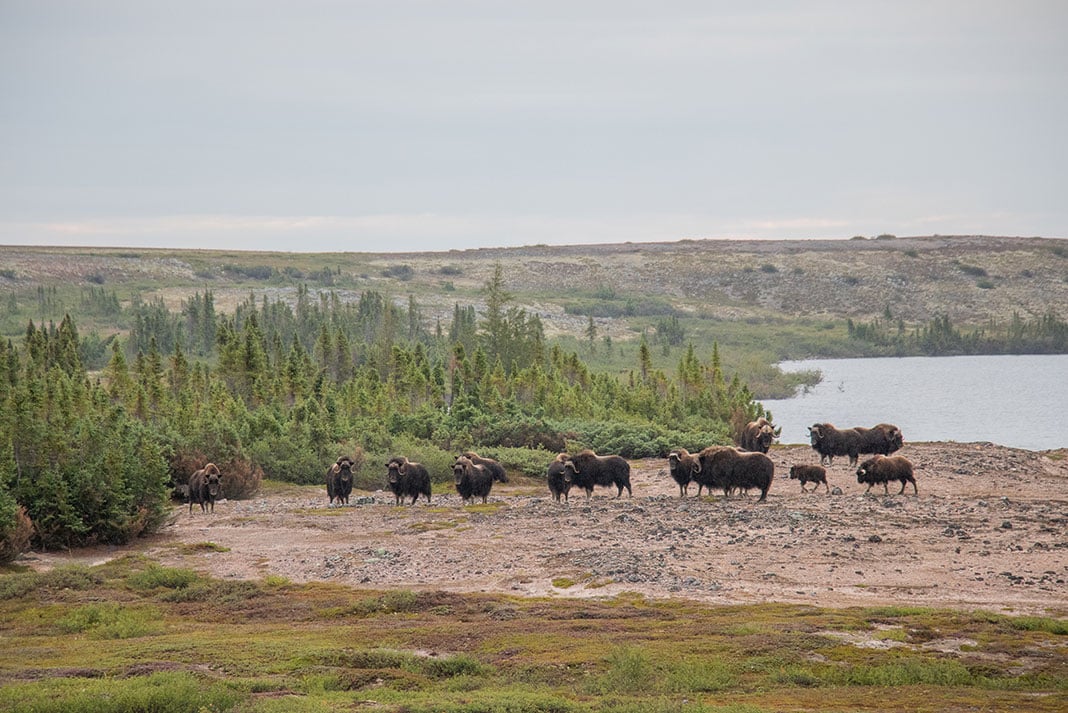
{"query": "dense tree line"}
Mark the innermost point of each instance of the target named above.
(281, 390)
(1046, 334)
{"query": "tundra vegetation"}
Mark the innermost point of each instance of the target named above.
(134, 635)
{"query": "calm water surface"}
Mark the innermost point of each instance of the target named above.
(1016, 401)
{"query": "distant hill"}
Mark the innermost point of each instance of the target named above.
(719, 289)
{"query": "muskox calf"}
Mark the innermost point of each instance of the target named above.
(554, 476)
(757, 436)
(883, 469)
(407, 479)
(683, 467)
(494, 467)
(587, 469)
(339, 481)
(204, 487)
(731, 469)
(472, 480)
(810, 474)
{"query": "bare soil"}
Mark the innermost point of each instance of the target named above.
(988, 530)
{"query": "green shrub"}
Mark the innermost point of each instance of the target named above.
(166, 692)
(109, 620)
(157, 577)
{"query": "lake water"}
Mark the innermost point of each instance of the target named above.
(1017, 400)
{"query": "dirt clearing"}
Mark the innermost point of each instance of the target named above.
(989, 530)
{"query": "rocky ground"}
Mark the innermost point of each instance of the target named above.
(988, 530)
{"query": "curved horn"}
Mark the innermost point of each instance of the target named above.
(336, 468)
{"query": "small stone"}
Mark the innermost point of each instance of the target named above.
(1006, 525)
(875, 538)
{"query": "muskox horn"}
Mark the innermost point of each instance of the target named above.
(336, 468)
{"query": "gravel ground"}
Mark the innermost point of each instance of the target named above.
(987, 531)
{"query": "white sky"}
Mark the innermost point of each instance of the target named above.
(319, 125)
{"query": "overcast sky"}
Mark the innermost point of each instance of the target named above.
(313, 125)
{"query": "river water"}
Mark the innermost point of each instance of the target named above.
(1014, 400)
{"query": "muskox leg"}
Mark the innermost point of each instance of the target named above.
(826, 487)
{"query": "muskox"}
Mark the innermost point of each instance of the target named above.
(883, 469)
(758, 435)
(810, 474)
(407, 479)
(587, 469)
(881, 439)
(473, 480)
(731, 469)
(339, 480)
(828, 441)
(554, 475)
(494, 467)
(683, 467)
(204, 487)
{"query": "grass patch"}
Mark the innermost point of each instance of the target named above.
(182, 642)
(198, 547)
(108, 620)
(156, 577)
(166, 692)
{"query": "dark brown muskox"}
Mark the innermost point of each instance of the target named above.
(810, 474)
(407, 479)
(204, 487)
(473, 480)
(758, 435)
(494, 467)
(339, 481)
(554, 476)
(881, 439)
(828, 441)
(883, 469)
(587, 469)
(731, 469)
(683, 466)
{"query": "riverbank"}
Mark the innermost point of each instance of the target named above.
(987, 531)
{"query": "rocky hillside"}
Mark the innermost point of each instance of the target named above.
(971, 279)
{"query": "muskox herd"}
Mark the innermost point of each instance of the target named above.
(747, 467)
(725, 468)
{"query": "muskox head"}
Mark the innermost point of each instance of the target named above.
(343, 469)
(793, 472)
(675, 458)
(570, 470)
(864, 472)
(462, 464)
(815, 433)
(212, 479)
(398, 468)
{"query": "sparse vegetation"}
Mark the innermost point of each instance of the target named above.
(404, 651)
